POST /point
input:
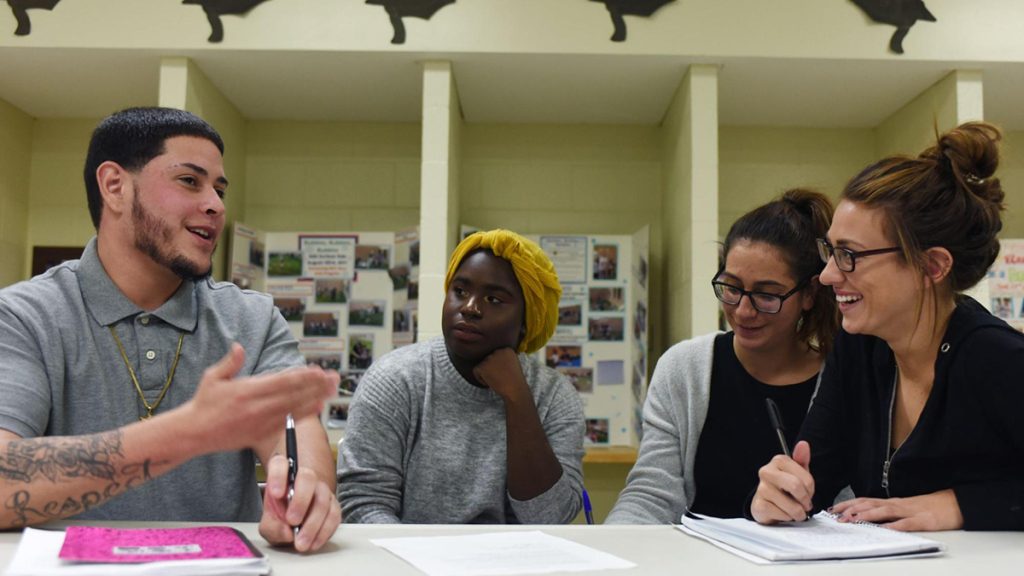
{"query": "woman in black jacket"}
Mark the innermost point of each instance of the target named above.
(918, 407)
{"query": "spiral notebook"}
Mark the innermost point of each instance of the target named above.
(822, 538)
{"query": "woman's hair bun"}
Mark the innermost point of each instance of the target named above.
(972, 150)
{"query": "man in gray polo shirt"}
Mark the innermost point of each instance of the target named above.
(114, 404)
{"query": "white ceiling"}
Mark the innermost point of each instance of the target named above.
(498, 88)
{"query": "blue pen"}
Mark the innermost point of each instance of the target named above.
(587, 510)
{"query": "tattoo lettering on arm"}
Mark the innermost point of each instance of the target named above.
(60, 460)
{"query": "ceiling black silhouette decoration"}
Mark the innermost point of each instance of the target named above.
(900, 13)
(396, 9)
(216, 8)
(20, 9)
(620, 8)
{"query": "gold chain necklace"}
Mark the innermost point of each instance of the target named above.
(135, 380)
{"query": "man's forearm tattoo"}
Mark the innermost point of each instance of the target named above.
(61, 458)
(58, 460)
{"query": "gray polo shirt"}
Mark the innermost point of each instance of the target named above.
(61, 374)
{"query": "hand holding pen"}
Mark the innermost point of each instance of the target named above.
(786, 490)
(300, 508)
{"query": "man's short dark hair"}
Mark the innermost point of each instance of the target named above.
(133, 137)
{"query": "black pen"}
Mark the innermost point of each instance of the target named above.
(292, 451)
(776, 419)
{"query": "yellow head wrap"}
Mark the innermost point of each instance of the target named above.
(535, 273)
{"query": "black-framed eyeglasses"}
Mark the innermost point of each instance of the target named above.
(846, 259)
(762, 301)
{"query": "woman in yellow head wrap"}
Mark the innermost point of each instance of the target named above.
(471, 428)
(535, 273)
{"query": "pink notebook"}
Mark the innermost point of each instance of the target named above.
(92, 544)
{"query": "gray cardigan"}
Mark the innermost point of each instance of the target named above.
(661, 485)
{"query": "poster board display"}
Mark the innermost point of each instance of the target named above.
(348, 297)
(600, 344)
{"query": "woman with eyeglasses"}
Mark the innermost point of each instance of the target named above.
(706, 430)
(919, 407)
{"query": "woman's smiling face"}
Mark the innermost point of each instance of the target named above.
(760, 267)
(880, 297)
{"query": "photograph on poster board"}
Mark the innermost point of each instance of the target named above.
(373, 257)
(611, 372)
(606, 329)
(284, 264)
(360, 351)
(569, 255)
(606, 262)
(349, 382)
(325, 361)
(337, 415)
(399, 277)
(366, 313)
(641, 272)
(563, 356)
(641, 360)
(402, 326)
(570, 314)
(582, 379)
(320, 324)
(414, 253)
(401, 321)
(413, 291)
(640, 321)
(291, 308)
(256, 253)
(1002, 307)
(597, 431)
(331, 291)
(607, 300)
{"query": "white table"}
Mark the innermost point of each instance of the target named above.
(655, 550)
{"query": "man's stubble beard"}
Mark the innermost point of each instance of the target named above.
(148, 229)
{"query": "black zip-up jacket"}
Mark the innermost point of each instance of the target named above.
(970, 436)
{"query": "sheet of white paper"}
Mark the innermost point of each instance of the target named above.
(532, 552)
(38, 555)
